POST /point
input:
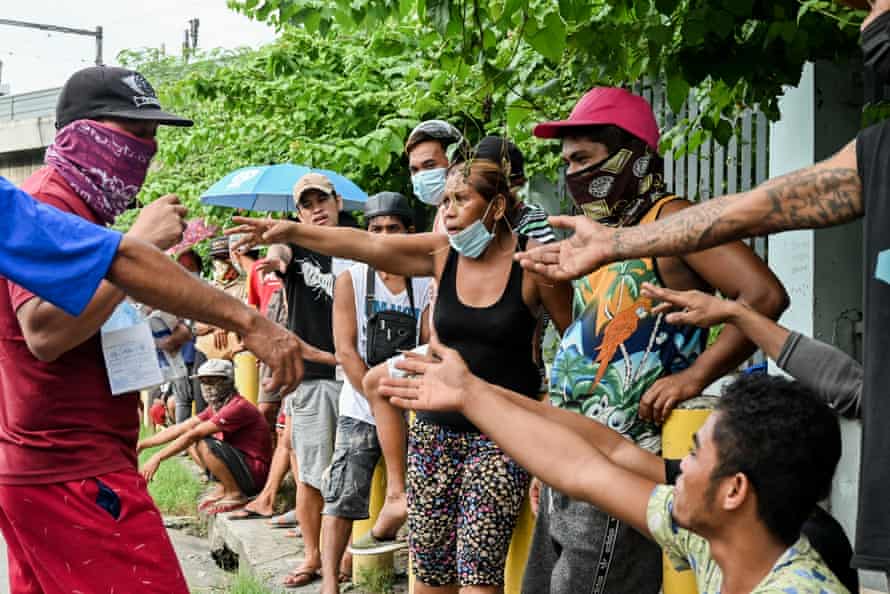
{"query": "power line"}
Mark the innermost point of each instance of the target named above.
(97, 33)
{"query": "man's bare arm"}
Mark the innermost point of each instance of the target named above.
(828, 193)
(150, 277)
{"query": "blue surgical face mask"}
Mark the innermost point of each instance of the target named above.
(473, 240)
(429, 185)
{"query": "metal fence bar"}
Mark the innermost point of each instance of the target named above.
(680, 171)
(692, 172)
(747, 149)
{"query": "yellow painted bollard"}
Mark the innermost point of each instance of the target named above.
(365, 566)
(676, 441)
(247, 377)
(520, 545)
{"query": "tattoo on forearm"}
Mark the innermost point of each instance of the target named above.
(806, 199)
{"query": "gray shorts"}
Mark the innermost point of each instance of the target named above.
(313, 411)
(347, 482)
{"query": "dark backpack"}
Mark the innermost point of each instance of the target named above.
(388, 331)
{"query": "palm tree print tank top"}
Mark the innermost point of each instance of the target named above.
(616, 349)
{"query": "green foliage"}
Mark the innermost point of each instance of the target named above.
(345, 101)
(244, 583)
(174, 487)
(735, 53)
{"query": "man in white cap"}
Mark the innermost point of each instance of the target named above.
(240, 460)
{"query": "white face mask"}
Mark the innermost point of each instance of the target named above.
(429, 185)
(220, 268)
(472, 241)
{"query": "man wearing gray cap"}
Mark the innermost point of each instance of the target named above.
(430, 147)
(375, 316)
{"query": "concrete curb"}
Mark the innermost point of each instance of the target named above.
(264, 552)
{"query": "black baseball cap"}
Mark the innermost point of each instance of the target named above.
(498, 149)
(107, 91)
(389, 204)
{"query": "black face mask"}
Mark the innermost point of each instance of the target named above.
(875, 42)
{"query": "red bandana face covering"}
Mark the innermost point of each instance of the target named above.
(620, 189)
(104, 166)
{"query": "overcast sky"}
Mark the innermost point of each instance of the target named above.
(34, 59)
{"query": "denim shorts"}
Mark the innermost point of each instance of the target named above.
(346, 487)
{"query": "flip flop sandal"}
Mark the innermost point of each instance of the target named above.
(298, 579)
(226, 505)
(371, 545)
(293, 533)
(207, 502)
(286, 520)
(249, 514)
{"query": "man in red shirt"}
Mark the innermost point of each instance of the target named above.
(74, 512)
(240, 460)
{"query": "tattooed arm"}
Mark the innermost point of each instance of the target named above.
(828, 193)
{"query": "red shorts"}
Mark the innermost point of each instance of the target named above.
(100, 534)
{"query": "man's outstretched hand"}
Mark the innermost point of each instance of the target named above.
(438, 381)
(261, 232)
(280, 350)
(582, 253)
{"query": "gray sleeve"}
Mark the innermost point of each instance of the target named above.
(832, 374)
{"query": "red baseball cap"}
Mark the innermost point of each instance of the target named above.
(607, 106)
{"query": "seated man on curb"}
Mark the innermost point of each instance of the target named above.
(240, 460)
(759, 466)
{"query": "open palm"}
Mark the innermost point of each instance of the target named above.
(582, 253)
(438, 381)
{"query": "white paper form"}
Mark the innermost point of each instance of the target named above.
(131, 359)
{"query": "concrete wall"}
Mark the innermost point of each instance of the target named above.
(822, 269)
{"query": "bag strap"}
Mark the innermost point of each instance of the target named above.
(409, 286)
(369, 293)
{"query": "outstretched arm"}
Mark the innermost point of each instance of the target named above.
(828, 193)
(829, 372)
(150, 277)
(558, 457)
(196, 431)
(403, 254)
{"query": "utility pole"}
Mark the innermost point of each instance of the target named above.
(190, 39)
(97, 33)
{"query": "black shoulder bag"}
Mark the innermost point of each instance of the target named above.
(388, 331)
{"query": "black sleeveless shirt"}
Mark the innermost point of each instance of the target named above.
(495, 341)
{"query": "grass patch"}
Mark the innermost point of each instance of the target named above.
(174, 488)
(244, 583)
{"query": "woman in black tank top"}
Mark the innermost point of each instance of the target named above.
(464, 494)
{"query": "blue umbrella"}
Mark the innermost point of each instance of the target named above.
(270, 188)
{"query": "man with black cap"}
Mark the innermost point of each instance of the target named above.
(530, 220)
(66, 443)
(375, 315)
(619, 363)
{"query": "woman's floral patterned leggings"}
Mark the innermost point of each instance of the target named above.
(464, 496)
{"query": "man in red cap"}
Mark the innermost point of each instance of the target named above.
(620, 363)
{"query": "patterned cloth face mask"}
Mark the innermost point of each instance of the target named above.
(104, 166)
(619, 189)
